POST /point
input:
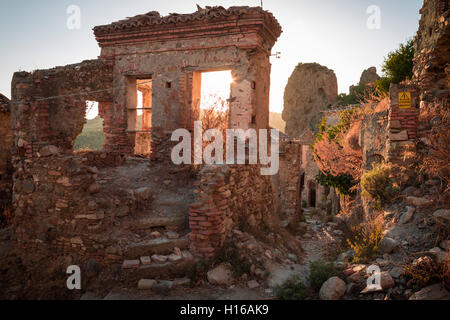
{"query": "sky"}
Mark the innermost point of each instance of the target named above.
(334, 33)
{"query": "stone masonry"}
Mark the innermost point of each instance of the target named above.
(63, 202)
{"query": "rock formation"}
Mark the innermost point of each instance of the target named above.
(311, 88)
(369, 76)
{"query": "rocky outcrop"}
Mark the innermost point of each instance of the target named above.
(369, 76)
(311, 89)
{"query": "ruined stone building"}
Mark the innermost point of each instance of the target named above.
(111, 207)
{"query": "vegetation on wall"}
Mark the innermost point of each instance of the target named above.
(335, 157)
(343, 183)
(397, 67)
(378, 184)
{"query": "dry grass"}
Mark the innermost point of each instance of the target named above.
(365, 238)
(427, 271)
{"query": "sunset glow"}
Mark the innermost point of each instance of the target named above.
(215, 89)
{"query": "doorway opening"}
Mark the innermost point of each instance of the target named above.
(139, 114)
(312, 194)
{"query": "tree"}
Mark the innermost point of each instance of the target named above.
(397, 67)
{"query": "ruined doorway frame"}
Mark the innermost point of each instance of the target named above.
(196, 90)
(134, 130)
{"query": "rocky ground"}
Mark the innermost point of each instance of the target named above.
(248, 268)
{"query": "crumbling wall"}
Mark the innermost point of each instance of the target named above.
(62, 207)
(373, 137)
(432, 77)
(289, 177)
(402, 124)
(229, 196)
(172, 50)
(432, 52)
(50, 105)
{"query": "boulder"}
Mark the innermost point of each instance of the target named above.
(221, 274)
(442, 217)
(418, 202)
(437, 253)
(387, 245)
(311, 88)
(408, 216)
(433, 292)
(333, 289)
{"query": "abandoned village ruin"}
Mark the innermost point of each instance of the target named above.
(128, 214)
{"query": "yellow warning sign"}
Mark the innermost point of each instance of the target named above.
(404, 100)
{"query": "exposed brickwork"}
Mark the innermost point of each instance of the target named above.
(403, 123)
(38, 121)
(171, 49)
(229, 197)
(60, 203)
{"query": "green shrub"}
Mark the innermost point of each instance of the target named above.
(378, 184)
(229, 253)
(332, 131)
(292, 289)
(304, 204)
(320, 272)
(343, 183)
(364, 240)
(397, 67)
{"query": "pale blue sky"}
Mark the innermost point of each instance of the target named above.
(333, 33)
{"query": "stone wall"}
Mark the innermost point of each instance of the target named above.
(61, 207)
(432, 70)
(229, 196)
(402, 124)
(432, 52)
(50, 105)
(60, 204)
(173, 50)
(374, 136)
(289, 189)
